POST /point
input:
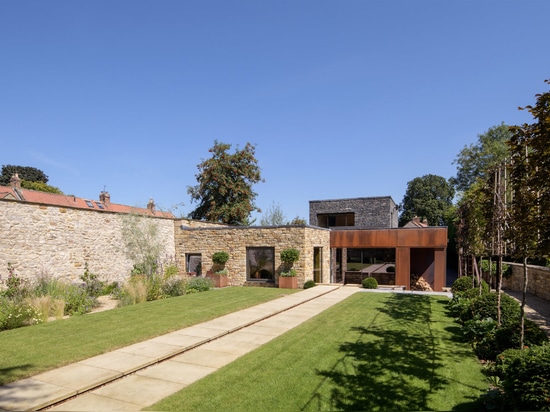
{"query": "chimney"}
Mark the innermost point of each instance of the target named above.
(151, 206)
(15, 181)
(425, 222)
(416, 220)
(105, 198)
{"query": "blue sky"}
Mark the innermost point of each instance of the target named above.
(341, 98)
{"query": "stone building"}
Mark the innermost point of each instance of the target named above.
(346, 240)
(364, 212)
(366, 242)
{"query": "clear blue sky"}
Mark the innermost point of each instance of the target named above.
(341, 98)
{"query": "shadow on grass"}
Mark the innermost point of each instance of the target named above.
(393, 364)
(6, 374)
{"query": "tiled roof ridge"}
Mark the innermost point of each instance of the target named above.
(72, 201)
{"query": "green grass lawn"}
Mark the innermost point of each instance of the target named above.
(373, 351)
(30, 350)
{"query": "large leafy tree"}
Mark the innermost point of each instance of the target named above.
(474, 161)
(31, 178)
(429, 197)
(224, 191)
(26, 173)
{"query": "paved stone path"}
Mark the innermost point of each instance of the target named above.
(144, 373)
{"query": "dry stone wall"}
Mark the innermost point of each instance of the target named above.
(538, 282)
(234, 240)
(58, 241)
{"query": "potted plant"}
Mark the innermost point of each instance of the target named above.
(219, 272)
(287, 278)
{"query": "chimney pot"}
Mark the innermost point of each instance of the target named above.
(105, 197)
(15, 181)
(151, 205)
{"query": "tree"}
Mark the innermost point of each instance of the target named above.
(31, 178)
(40, 186)
(429, 197)
(224, 191)
(27, 173)
(530, 181)
(274, 216)
(474, 161)
(142, 243)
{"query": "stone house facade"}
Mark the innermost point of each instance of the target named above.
(245, 243)
(61, 236)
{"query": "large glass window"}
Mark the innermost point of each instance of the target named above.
(359, 259)
(260, 263)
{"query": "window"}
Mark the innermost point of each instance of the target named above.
(359, 259)
(338, 219)
(89, 203)
(193, 262)
(260, 263)
(100, 205)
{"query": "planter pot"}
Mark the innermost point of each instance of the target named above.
(220, 281)
(288, 282)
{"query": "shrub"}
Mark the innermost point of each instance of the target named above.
(370, 283)
(289, 274)
(17, 314)
(16, 288)
(309, 284)
(77, 300)
(198, 285)
(94, 286)
(485, 306)
(290, 255)
(390, 269)
(220, 258)
(174, 287)
(526, 378)
(508, 336)
(466, 283)
(170, 271)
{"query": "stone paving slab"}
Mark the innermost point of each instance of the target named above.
(157, 381)
(119, 361)
(31, 394)
(177, 372)
(206, 357)
(94, 402)
(77, 376)
(137, 389)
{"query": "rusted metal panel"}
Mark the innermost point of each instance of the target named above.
(432, 237)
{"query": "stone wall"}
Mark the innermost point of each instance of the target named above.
(234, 240)
(538, 282)
(374, 212)
(59, 241)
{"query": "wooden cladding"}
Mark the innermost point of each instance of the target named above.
(428, 237)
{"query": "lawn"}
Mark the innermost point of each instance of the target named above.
(373, 351)
(30, 350)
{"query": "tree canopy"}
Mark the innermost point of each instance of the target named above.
(474, 161)
(31, 178)
(429, 197)
(27, 173)
(273, 216)
(530, 179)
(224, 191)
